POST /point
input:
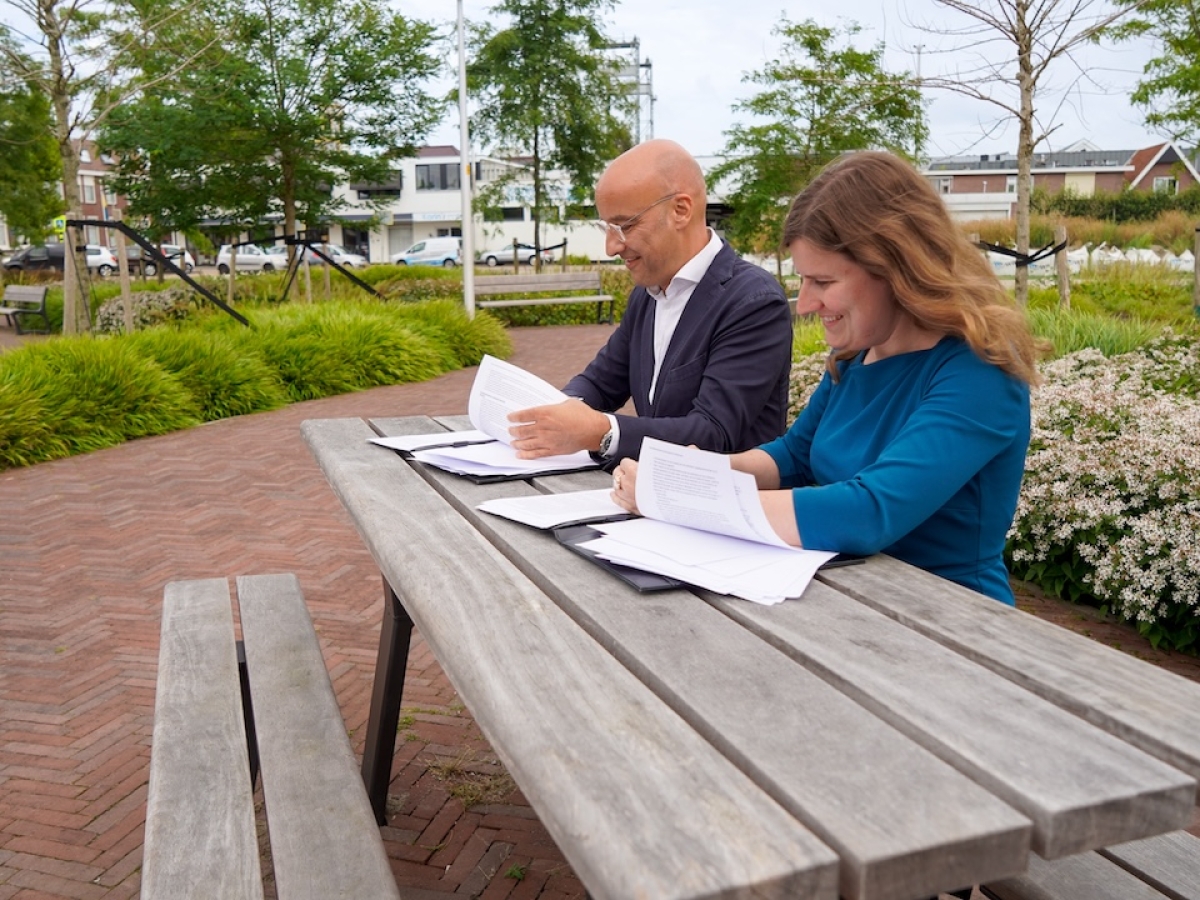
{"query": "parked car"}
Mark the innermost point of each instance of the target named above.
(179, 256)
(252, 259)
(502, 256)
(440, 251)
(49, 257)
(344, 257)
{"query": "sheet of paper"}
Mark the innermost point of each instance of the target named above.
(411, 442)
(553, 510)
(501, 388)
(499, 459)
(698, 489)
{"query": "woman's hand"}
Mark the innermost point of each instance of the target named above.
(624, 492)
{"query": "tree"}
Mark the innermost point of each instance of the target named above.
(546, 90)
(84, 77)
(29, 163)
(1170, 92)
(300, 96)
(821, 99)
(1041, 33)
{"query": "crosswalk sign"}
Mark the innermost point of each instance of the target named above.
(60, 227)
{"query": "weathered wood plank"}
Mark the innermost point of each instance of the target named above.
(324, 840)
(1149, 707)
(1022, 748)
(879, 813)
(1084, 877)
(553, 281)
(200, 838)
(639, 803)
(1169, 862)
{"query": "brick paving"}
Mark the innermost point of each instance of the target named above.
(86, 546)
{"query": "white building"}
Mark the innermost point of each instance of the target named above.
(424, 200)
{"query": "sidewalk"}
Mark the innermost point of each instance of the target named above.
(86, 545)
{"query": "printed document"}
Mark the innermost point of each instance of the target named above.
(704, 524)
(499, 388)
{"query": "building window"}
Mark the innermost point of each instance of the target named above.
(110, 196)
(1010, 184)
(437, 177)
(85, 155)
(449, 232)
(89, 190)
(1165, 185)
(943, 185)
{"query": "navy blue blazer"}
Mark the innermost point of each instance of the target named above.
(724, 380)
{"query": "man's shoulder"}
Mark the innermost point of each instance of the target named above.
(740, 275)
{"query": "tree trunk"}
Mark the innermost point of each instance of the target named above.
(1024, 146)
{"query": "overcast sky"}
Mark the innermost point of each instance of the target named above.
(700, 49)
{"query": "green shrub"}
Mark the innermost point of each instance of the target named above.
(327, 349)
(91, 393)
(446, 322)
(218, 372)
(150, 307)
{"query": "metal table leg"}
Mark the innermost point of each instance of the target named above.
(394, 636)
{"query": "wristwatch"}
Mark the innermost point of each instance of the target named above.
(606, 443)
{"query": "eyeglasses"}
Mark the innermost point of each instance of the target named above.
(621, 231)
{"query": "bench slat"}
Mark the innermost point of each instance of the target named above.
(511, 284)
(1087, 876)
(324, 840)
(200, 835)
(537, 301)
(1169, 862)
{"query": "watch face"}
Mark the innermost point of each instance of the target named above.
(606, 444)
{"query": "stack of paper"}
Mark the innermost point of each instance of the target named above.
(499, 389)
(704, 525)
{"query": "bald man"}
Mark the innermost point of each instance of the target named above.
(705, 345)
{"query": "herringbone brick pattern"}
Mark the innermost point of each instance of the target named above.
(86, 546)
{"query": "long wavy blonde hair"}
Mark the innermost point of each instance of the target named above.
(879, 211)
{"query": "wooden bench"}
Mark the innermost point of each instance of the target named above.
(25, 300)
(1167, 866)
(507, 285)
(216, 720)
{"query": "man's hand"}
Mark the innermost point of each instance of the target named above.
(559, 428)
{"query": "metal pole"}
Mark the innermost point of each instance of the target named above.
(465, 180)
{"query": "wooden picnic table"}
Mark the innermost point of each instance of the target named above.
(886, 736)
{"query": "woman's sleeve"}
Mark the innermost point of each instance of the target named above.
(967, 416)
(791, 452)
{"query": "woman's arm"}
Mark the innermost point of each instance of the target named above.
(759, 464)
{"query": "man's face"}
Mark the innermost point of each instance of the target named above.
(643, 228)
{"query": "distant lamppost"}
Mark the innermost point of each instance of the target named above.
(465, 181)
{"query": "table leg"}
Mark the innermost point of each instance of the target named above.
(394, 636)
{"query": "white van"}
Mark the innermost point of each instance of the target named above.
(438, 251)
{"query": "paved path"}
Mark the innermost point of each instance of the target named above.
(86, 545)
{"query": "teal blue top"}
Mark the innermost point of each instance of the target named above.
(919, 456)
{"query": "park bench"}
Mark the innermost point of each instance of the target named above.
(25, 300)
(217, 719)
(506, 286)
(1157, 868)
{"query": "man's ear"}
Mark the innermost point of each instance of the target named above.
(682, 208)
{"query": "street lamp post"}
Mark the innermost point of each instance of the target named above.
(465, 181)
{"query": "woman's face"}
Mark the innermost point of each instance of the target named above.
(857, 309)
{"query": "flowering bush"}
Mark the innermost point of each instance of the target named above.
(149, 308)
(1109, 511)
(1110, 507)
